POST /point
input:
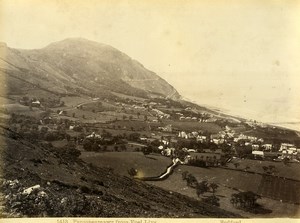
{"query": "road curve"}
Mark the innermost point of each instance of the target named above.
(164, 175)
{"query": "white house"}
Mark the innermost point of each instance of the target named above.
(267, 146)
(258, 153)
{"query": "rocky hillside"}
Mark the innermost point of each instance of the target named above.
(43, 181)
(81, 66)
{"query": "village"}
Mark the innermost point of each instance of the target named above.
(161, 126)
(160, 140)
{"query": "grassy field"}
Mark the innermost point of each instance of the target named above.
(150, 165)
(74, 101)
(229, 182)
(194, 126)
(292, 170)
(128, 96)
(280, 189)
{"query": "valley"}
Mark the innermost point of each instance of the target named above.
(89, 125)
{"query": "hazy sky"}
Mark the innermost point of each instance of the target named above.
(239, 55)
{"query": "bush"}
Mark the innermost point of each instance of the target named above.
(213, 200)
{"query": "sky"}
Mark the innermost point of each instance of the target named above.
(240, 56)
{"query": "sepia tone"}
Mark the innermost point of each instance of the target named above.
(139, 109)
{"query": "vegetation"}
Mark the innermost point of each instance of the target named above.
(245, 200)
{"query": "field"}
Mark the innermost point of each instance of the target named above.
(150, 165)
(280, 189)
(74, 101)
(273, 189)
(230, 182)
(292, 170)
(194, 126)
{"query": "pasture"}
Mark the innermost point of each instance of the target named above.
(190, 126)
(230, 182)
(273, 189)
(121, 162)
(292, 170)
(280, 189)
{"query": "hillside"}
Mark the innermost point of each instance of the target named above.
(75, 66)
(70, 187)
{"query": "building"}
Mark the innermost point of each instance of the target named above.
(267, 147)
(257, 154)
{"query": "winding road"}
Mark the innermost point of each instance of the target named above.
(164, 175)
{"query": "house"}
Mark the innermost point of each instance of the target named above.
(201, 138)
(217, 141)
(267, 147)
(286, 146)
(288, 151)
(168, 152)
(255, 147)
(94, 135)
(182, 135)
(258, 154)
(36, 103)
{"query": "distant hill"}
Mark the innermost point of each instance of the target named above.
(80, 66)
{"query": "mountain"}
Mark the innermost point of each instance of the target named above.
(81, 66)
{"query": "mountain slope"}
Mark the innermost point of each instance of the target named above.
(82, 66)
(70, 187)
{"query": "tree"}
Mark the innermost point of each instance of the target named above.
(214, 186)
(123, 147)
(244, 199)
(285, 161)
(265, 168)
(213, 200)
(201, 188)
(191, 181)
(116, 148)
(132, 172)
(184, 175)
(146, 150)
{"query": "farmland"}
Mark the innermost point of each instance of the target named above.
(280, 189)
(195, 126)
(121, 162)
(230, 182)
(277, 193)
(291, 170)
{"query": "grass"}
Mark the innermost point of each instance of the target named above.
(128, 96)
(280, 189)
(194, 126)
(150, 165)
(227, 181)
(74, 101)
(292, 170)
